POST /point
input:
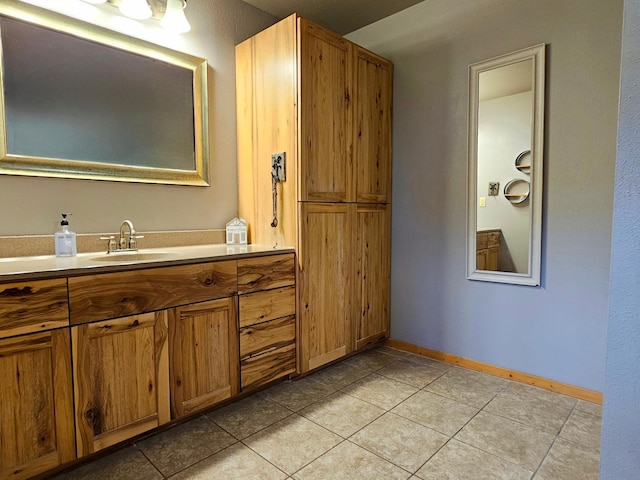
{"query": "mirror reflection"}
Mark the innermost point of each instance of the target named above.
(506, 113)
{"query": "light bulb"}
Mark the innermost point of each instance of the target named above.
(136, 9)
(174, 18)
(95, 2)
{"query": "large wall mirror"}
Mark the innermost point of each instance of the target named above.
(81, 101)
(506, 123)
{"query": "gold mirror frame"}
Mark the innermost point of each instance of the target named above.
(537, 55)
(11, 164)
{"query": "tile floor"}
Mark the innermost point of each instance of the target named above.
(383, 414)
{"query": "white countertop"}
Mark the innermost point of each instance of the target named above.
(24, 268)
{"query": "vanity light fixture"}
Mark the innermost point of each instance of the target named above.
(171, 11)
(174, 18)
(136, 9)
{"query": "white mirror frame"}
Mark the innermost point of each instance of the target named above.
(532, 278)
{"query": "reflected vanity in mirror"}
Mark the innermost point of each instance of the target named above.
(81, 101)
(504, 184)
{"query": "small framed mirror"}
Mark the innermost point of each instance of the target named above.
(506, 139)
(82, 101)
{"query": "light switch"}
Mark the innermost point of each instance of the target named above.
(483, 202)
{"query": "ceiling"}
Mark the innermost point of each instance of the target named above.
(341, 16)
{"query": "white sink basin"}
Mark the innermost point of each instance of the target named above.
(120, 257)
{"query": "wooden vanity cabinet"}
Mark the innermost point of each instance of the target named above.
(203, 350)
(267, 319)
(121, 379)
(36, 398)
(488, 250)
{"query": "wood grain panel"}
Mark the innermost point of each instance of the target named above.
(372, 136)
(262, 369)
(204, 355)
(263, 273)
(267, 123)
(120, 379)
(373, 273)
(264, 306)
(36, 409)
(35, 306)
(113, 295)
(325, 283)
(263, 337)
(325, 120)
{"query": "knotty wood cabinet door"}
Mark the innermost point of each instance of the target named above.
(325, 114)
(203, 347)
(372, 127)
(36, 404)
(121, 379)
(325, 283)
(372, 273)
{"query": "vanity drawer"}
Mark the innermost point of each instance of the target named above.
(35, 306)
(482, 240)
(264, 306)
(263, 273)
(493, 239)
(267, 336)
(261, 369)
(113, 295)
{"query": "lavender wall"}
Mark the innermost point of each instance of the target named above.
(620, 459)
(557, 331)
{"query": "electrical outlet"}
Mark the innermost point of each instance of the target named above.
(494, 188)
(278, 166)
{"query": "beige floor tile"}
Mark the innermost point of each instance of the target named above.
(569, 461)
(400, 441)
(298, 394)
(467, 386)
(392, 351)
(436, 412)
(126, 464)
(459, 461)
(418, 374)
(532, 411)
(185, 444)
(588, 407)
(342, 413)
(583, 428)
(522, 389)
(340, 375)
(248, 416)
(380, 391)
(349, 462)
(509, 440)
(371, 359)
(292, 443)
(237, 462)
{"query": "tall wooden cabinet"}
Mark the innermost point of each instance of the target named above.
(326, 103)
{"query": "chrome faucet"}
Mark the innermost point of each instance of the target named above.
(132, 235)
(123, 245)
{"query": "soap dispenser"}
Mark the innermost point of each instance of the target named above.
(65, 239)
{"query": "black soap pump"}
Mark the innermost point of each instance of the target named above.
(65, 239)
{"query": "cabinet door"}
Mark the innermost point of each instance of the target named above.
(372, 127)
(325, 283)
(36, 404)
(325, 123)
(204, 355)
(372, 273)
(121, 379)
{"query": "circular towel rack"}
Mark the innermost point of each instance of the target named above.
(523, 162)
(515, 192)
